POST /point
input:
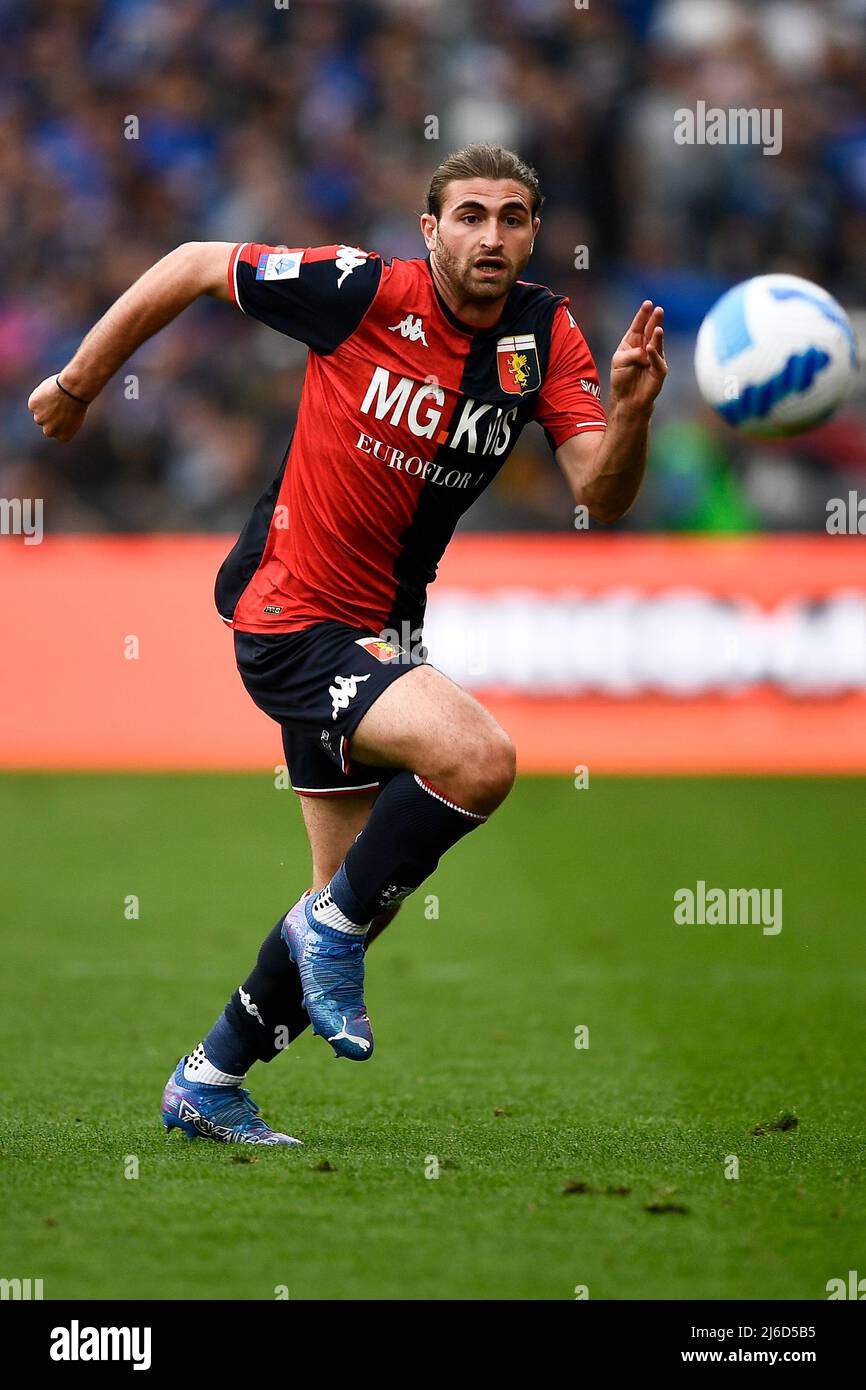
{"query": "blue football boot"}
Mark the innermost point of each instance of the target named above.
(224, 1113)
(332, 976)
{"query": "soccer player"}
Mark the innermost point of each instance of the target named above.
(421, 375)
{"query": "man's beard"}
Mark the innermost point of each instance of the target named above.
(458, 274)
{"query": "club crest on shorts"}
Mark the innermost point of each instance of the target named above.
(517, 361)
(382, 651)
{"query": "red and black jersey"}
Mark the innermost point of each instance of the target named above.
(406, 416)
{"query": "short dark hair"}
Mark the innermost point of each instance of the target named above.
(483, 161)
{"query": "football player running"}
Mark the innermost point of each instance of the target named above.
(420, 376)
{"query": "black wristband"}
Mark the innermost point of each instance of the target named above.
(80, 399)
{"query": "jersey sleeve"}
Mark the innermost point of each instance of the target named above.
(317, 294)
(569, 399)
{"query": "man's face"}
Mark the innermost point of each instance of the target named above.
(482, 241)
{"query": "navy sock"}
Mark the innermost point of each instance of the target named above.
(264, 1015)
(409, 828)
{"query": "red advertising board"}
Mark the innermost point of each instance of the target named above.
(622, 654)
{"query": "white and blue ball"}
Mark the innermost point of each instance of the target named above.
(775, 355)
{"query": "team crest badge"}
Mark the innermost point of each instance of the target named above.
(382, 651)
(517, 360)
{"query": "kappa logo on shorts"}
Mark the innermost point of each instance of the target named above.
(344, 689)
(382, 651)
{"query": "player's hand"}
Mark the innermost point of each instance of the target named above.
(59, 415)
(638, 368)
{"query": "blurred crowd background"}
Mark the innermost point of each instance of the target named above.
(306, 122)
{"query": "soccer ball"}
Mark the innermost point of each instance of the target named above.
(775, 355)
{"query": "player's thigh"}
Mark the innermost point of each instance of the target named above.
(332, 824)
(427, 724)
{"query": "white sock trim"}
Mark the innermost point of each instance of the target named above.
(431, 791)
(198, 1068)
(326, 912)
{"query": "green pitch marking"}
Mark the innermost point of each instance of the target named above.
(578, 1069)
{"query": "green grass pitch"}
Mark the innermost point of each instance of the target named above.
(559, 913)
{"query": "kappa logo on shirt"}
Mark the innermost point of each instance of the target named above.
(411, 327)
(348, 258)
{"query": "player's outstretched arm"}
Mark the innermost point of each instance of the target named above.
(158, 296)
(605, 471)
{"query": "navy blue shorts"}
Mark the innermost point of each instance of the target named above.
(318, 685)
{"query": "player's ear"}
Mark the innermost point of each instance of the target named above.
(428, 230)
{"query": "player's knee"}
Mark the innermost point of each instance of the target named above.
(496, 769)
(480, 770)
